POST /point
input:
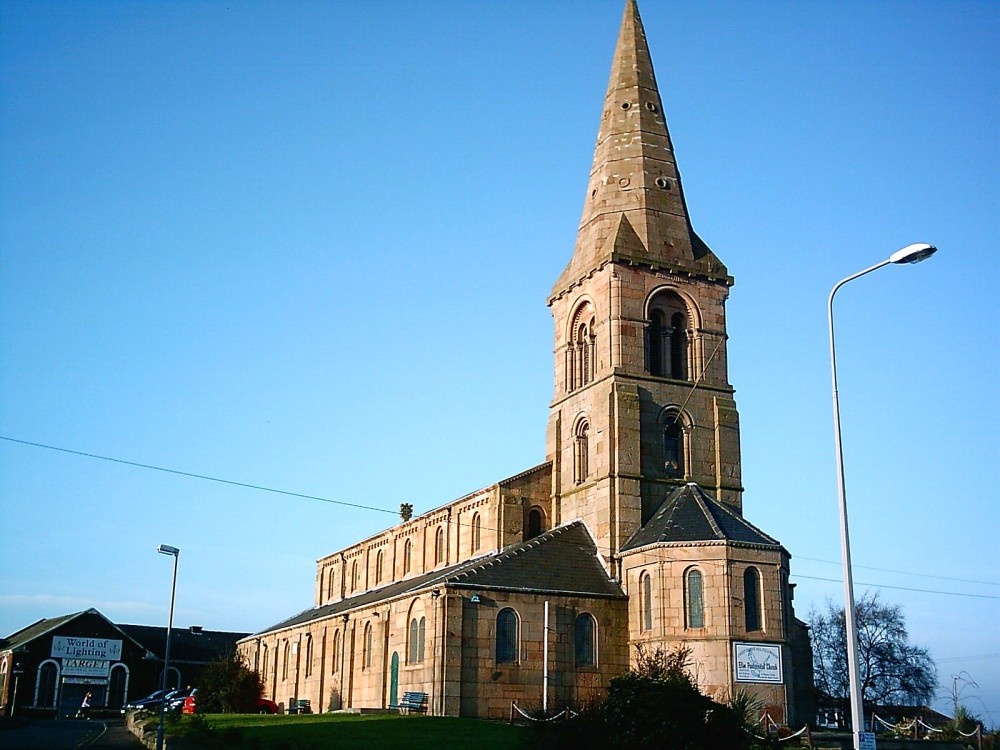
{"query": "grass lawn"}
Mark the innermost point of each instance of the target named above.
(349, 731)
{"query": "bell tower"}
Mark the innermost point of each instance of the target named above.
(642, 402)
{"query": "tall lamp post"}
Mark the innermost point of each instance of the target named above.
(909, 254)
(166, 549)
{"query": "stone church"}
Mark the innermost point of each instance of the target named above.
(538, 589)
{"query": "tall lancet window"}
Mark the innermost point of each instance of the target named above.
(678, 346)
(751, 599)
(581, 351)
(676, 428)
(581, 451)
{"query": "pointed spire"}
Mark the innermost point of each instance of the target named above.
(634, 180)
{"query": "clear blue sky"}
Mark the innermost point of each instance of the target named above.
(308, 245)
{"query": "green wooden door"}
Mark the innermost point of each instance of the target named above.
(394, 680)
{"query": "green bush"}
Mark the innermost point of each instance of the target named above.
(655, 705)
(229, 686)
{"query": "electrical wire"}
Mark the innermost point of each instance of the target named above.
(198, 476)
(902, 572)
(376, 509)
(899, 588)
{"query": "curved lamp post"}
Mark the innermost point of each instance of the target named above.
(909, 254)
(166, 549)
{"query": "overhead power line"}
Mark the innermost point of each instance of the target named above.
(361, 506)
(903, 572)
(899, 588)
(199, 476)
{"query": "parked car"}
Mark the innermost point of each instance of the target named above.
(262, 705)
(149, 702)
(175, 698)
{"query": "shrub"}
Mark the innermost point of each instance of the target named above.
(655, 705)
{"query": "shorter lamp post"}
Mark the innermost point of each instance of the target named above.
(909, 254)
(166, 549)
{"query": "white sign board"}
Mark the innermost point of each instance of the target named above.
(104, 649)
(85, 667)
(866, 740)
(757, 662)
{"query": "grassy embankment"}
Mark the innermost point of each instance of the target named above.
(348, 731)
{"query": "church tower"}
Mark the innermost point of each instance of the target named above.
(642, 404)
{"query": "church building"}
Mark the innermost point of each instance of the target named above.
(539, 589)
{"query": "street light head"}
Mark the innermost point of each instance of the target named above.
(166, 549)
(913, 253)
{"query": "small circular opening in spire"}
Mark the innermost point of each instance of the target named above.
(626, 105)
(593, 192)
(652, 107)
(663, 182)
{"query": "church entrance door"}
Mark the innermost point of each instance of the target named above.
(394, 680)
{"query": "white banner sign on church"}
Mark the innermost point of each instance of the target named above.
(757, 662)
(105, 649)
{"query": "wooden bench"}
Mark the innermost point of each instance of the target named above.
(412, 701)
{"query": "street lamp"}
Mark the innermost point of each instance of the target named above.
(909, 254)
(166, 549)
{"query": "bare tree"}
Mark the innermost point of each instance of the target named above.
(893, 671)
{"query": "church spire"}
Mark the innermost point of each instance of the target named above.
(634, 210)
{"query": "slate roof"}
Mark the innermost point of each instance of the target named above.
(37, 629)
(186, 644)
(561, 561)
(689, 515)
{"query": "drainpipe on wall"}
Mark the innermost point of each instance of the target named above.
(545, 662)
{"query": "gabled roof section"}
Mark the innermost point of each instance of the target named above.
(192, 645)
(527, 473)
(634, 180)
(690, 515)
(561, 561)
(43, 627)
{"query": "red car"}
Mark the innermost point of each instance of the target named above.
(262, 706)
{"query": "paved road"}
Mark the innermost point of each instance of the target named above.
(68, 734)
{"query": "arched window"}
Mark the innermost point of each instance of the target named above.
(673, 450)
(668, 340)
(439, 546)
(581, 349)
(286, 653)
(508, 637)
(173, 678)
(678, 346)
(367, 654)
(418, 631)
(752, 599)
(45, 685)
(676, 433)
(354, 576)
(407, 556)
(654, 347)
(694, 599)
(378, 567)
(309, 654)
(330, 580)
(581, 451)
(477, 532)
(535, 523)
(585, 631)
(335, 653)
(117, 686)
(646, 601)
